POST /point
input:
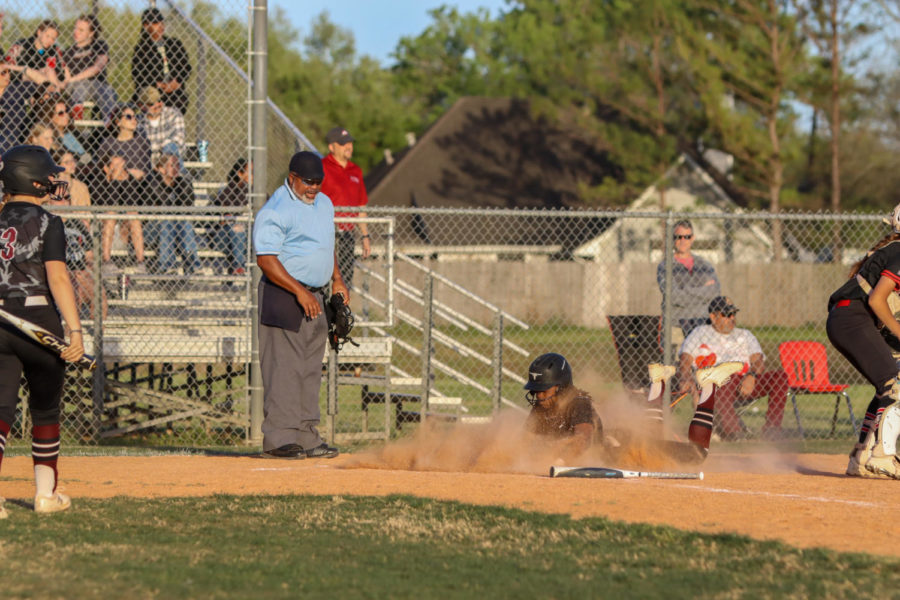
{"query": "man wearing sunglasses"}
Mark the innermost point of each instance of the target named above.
(720, 341)
(293, 236)
(694, 281)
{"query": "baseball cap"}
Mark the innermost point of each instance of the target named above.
(338, 135)
(152, 15)
(150, 96)
(722, 304)
(307, 165)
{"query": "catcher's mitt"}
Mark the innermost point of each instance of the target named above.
(340, 322)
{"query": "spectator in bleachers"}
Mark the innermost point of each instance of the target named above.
(85, 64)
(126, 142)
(162, 125)
(42, 134)
(12, 114)
(231, 236)
(61, 121)
(79, 245)
(160, 61)
(80, 195)
(36, 60)
(119, 187)
(166, 187)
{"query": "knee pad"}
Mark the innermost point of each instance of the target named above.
(888, 429)
(890, 389)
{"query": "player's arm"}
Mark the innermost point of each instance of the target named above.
(757, 366)
(64, 297)
(878, 302)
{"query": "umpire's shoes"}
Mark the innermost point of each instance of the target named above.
(55, 502)
(323, 450)
(290, 451)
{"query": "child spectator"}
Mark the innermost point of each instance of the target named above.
(43, 134)
(85, 66)
(166, 187)
(231, 236)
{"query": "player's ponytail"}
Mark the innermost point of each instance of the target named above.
(891, 237)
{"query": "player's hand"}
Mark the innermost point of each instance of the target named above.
(75, 350)
(309, 302)
(748, 384)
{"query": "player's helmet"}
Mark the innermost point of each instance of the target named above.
(894, 219)
(546, 371)
(24, 166)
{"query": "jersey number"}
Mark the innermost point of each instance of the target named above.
(7, 243)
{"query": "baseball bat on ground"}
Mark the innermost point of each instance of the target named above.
(607, 473)
(45, 338)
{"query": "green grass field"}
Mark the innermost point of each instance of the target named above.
(398, 547)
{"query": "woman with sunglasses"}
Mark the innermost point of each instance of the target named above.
(694, 281)
(862, 325)
(61, 122)
(125, 141)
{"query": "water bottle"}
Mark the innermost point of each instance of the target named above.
(203, 150)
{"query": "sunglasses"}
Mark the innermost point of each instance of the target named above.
(311, 181)
(684, 237)
(60, 113)
(728, 315)
(128, 117)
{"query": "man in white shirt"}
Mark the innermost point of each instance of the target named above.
(718, 342)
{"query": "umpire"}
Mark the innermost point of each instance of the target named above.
(293, 236)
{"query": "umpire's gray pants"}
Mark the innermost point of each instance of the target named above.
(291, 365)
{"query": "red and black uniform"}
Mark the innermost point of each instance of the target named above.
(29, 237)
(574, 407)
(854, 330)
(346, 188)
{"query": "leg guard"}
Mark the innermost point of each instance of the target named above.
(883, 460)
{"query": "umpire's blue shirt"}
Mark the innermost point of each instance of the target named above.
(300, 234)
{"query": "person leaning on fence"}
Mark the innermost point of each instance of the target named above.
(35, 285)
(118, 187)
(160, 61)
(167, 187)
(694, 281)
(230, 235)
(559, 410)
(293, 235)
(743, 378)
(862, 325)
(345, 186)
(86, 61)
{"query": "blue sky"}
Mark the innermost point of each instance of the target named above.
(377, 25)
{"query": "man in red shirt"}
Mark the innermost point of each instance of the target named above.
(344, 185)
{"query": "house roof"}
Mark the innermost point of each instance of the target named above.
(493, 153)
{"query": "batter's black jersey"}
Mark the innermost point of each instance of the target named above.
(573, 408)
(29, 237)
(883, 262)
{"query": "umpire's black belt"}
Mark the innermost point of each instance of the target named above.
(26, 301)
(314, 290)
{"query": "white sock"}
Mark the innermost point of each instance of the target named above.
(44, 480)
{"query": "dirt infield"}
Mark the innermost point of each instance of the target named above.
(803, 500)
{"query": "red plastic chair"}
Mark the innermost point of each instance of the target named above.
(806, 365)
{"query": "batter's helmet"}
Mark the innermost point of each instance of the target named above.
(24, 166)
(548, 370)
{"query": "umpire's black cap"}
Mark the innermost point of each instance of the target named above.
(307, 164)
(152, 15)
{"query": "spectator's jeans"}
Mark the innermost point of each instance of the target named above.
(98, 91)
(773, 384)
(174, 235)
(233, 244)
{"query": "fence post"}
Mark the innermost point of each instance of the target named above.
(668, 257)
(427, 351)
(259, 158)
(497, 361)
(99, 374)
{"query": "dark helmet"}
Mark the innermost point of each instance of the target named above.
(548, 370)
(23, 166)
